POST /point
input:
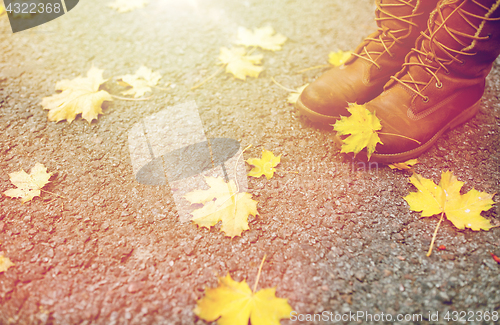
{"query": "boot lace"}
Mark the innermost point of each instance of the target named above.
(430, 61)
(388, 37)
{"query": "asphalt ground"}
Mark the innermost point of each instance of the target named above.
(338, 235)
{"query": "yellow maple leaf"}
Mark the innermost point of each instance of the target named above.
(80, 95)
(294, 95)
(28, 185)
(5, 263)
(239, 64)
(2, 10)
(263, 37)
(265, 165)
(229, 206)
(141, 82)
(464, 211)
(404, 165)
(362, 126)
(127, 5)
(338, 58)
(233, 303)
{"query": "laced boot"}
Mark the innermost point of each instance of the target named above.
(378, 57)
(442, 80)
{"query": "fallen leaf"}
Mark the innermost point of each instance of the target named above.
(338, 58)
(404, 165)
(265, 165)
(362, 126)
(80, 95)
(234, 303)
(294, 95)
(5, 263)
(464, 211)
(2, 10)
(141, 82)
(222, 202)
(263, 37)
(127, 5)
(239, 64)
(442, 247)
(28, 185)
(496, 258)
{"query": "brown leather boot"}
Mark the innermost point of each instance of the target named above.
(442, 80)
(373, 62)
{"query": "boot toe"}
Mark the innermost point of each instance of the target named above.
(327, 98)
(322, 102)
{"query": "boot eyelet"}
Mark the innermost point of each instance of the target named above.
(425, 99)
(461, 63)
(439, 85)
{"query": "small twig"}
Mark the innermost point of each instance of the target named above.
(314, 68)
(54, 194)
(282, 87)
(210, 77)
(236, 177)
(131, 99)
(284, 171)
(434, 236)
(258, 274)
(251, 50)
(236, 168)
(401, 136)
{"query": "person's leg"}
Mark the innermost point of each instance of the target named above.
(442, 80)
(377, 58)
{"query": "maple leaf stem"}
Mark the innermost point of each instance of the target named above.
(401, 136)
(434, 236)
(213, 75)
(54, 194)
(283, 87)
(313, 68)
(258, 274)
(236, 177)
(131, 99)
(50, 201)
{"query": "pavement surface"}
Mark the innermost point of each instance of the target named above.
(339, 237)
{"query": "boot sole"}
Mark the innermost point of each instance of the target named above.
(315, 116)
(463, 117)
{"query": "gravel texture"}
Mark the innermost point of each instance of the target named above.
(339, 237)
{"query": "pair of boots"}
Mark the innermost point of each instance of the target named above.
(417, 93)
